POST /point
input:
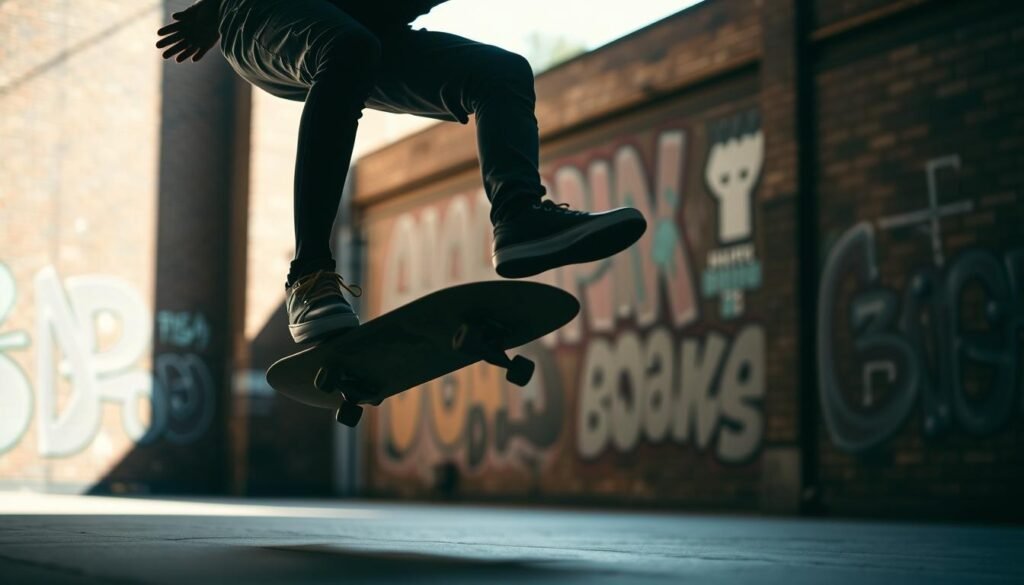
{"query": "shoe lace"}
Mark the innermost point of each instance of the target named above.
(313, 288)
(550, 205)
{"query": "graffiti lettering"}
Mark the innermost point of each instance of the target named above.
(15, 390)
(632, 283)
(897, 343)
(91, 333)
(430, 249)
(183, 408)
(636, 378)
(923, 342)
(633, 390)
(475, 413)
(183, 329)
(95, 373)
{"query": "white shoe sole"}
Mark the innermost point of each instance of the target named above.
(320, 328)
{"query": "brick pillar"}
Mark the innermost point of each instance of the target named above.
(779, 198)
(191, 336)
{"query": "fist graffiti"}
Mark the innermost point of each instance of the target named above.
(732, 171)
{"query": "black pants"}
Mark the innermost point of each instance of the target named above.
(312, 51)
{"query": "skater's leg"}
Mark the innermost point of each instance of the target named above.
(312, 51)
(309, 50)
(341, 82)
(448, 77)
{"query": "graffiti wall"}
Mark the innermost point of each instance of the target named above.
(920, 344)
(920, 308)
(111, 331)
(660, 380)
(95, 387)
(826, 311)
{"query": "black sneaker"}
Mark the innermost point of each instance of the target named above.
(317, 308)
(545, 236)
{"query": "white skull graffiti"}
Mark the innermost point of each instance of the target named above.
(734, 166)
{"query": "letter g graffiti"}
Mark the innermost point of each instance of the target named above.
(876, 347)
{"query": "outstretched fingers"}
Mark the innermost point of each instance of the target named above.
(169, 40)
(191, 35)
(178, 48)
(170, 28)
(199, 54)
(186, 54)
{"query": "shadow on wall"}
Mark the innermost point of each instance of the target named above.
(200, 407)
(289, 444)
(185, 447)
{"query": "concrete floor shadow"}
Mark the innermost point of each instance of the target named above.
(388, 566)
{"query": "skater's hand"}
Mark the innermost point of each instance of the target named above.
(194, 32)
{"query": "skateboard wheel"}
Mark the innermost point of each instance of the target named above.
(349, 414)
(520, 371)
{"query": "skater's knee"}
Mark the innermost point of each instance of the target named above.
(500, 73)
(511, 66)
(500, 76)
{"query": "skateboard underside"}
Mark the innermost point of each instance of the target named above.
(423, 340)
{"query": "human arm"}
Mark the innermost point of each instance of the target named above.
(194, 32)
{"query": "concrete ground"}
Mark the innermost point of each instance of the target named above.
(92, 540)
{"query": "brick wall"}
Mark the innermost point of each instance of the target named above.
(161, 194)
(885, 223)
(920, 125)
(673, 386)
(112, 225)
(853, 341)
(847, 14)
(570, 435)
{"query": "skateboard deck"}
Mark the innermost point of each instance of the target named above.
(428, 338)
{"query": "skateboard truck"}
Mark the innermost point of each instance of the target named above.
(331, 381)
(483, 341)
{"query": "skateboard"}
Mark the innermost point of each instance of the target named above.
(428, 338)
